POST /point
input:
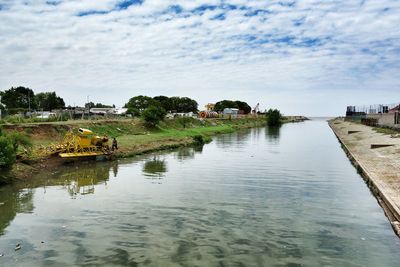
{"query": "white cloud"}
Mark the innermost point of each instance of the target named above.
(295, 57)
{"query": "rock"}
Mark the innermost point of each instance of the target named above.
(1, 255)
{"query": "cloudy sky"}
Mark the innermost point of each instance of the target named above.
(310, 57)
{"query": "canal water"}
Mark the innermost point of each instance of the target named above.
(283, 196)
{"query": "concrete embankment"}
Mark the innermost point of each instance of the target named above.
(377, 157)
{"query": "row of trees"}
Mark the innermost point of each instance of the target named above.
(19, 99)
(136, 105)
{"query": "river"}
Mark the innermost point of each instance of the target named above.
(283, 196)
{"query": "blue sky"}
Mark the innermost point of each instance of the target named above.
(310, 57)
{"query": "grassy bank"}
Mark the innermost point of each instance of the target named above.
(133, 137)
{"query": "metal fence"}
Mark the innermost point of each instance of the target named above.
(372, 109)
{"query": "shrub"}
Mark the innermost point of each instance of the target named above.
(184, 121)
(274, 117)
(7, 153)
(19, 139)
(153, 115)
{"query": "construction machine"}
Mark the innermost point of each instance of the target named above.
(83, 143)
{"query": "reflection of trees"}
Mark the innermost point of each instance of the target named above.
(184, 153)
(155, 168)
(77, 179)
(13, 201)
(237, 138)
(273, 132)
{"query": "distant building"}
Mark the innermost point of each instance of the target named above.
(231, 112)
(375, 115)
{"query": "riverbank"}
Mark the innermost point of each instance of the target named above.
(375, 154)
(133, 137)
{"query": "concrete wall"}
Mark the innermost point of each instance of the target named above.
(385, 119)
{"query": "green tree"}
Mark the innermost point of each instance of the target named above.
(165, 102)
(18, 98)
(274, 117)
(141, 103)
(153, 115)
(100, 105)
(49, 101)
(7, 153)
(89, 105)
(221, 105)
(183, 104)
(243, 106)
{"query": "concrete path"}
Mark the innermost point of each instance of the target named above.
(376, 160)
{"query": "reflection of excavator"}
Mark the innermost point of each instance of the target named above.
(81, 144)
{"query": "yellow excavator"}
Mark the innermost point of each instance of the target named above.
(84, 143)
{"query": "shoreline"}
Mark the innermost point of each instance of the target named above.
(359, 150)
(136, 140)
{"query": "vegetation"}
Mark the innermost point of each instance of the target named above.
(221, 105)
(185, 121)
(274, 117)
(388, 131)
(136, 105)
(20, 140)
(49, 101)
(7, 153)
(17, 99)
(22, 99)
(153, 115)
(98, 105)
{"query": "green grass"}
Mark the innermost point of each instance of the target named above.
(385, 130)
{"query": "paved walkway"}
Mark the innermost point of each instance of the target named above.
(380, 166)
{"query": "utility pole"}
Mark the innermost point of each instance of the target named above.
(88, 106)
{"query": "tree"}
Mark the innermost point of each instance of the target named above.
(141, 103)
(153, 115)
(49, 101)
(7, 153)
(243, 106)
(89, 105)
(165, 102)
(221, 105)
(274, 117)
(183, 104)
(18, 98)
(100, 105)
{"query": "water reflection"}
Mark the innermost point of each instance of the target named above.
(155, 168)
(185, 153)
(13, 201)
(238, 138)
(273, 133)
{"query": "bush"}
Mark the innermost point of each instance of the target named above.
(19, 139)
(153, 115)
(7, 153)
(274, 117)
(184, 121)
